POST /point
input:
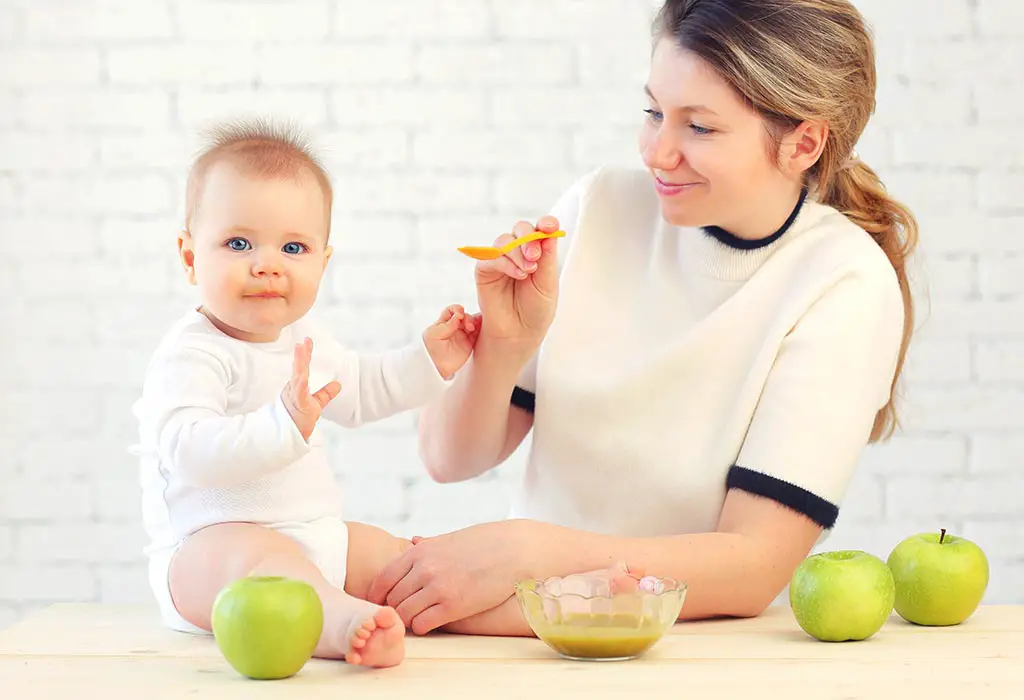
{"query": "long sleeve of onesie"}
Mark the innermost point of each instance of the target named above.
(204, 445)
(374, 385)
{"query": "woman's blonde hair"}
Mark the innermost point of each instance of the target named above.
(797, 60)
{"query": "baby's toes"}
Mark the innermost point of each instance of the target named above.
(386, 645)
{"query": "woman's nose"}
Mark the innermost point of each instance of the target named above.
(661, 151)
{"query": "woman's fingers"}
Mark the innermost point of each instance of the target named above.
(525, 255)
(521, 261)
(430, 619)
(525, 259)
(518, 254)
(548, 224)
(511, 264)
(415, 604)
(388, 577)
(407, 586)
(502, 267)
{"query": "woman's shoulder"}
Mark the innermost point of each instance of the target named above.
(836, 265)
(834, 243)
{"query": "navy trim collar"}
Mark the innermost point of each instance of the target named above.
(734, 241)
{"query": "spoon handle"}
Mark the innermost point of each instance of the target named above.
(535, 236)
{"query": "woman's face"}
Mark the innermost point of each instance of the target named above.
(705, 147)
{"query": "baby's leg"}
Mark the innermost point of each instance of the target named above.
(370, 549)
(355, 630)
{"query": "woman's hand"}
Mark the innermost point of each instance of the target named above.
(518, 292)
(453, 576)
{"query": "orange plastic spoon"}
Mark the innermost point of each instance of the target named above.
(490, 252)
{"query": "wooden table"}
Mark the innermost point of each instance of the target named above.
(122, 653)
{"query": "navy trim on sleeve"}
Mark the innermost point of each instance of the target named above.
(523, 398)
(790, 495)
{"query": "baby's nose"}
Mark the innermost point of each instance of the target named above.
(267, 264)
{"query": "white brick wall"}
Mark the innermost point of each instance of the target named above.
(443, 121)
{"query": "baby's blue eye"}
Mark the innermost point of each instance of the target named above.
(293, 248)
(239, 244)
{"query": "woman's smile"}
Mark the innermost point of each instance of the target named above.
(671, 189)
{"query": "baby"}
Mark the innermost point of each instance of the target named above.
(234, 475)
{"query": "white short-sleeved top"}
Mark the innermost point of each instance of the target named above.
(683, 362)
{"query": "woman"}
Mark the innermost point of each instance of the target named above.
(731, 323)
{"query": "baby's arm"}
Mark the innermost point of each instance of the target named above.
(379, 385)
(185, 402)
(376, 385)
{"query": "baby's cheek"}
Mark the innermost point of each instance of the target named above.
(306, 289)
(230, 282)
(312, 276)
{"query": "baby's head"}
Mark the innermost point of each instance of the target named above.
(257, 221)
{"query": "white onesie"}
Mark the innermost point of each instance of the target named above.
(216, 443)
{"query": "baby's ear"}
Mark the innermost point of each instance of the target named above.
(327, 255)
(187, 255)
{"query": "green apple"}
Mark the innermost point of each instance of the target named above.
(940, 579)
(267, 626)
(841, 596)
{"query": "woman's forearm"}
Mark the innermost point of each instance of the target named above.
(466, 431)
(727, 574)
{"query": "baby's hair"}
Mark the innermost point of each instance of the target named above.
(259, 147)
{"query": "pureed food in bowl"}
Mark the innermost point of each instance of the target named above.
(594, 616)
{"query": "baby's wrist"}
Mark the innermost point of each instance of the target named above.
(301, 423)
(433, 353)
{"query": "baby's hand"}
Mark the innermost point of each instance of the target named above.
(303, 407)
(450, 340)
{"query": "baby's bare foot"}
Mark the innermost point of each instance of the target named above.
(379, 641)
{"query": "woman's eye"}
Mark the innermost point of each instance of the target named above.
(702, 130)
(294, 248)
(238, 244)
(653, 114)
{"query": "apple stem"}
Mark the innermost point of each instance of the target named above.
(942, 535)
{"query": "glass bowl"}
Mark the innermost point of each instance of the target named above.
(590, 617)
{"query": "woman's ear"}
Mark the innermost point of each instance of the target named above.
(802, 147)
(187, 255)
